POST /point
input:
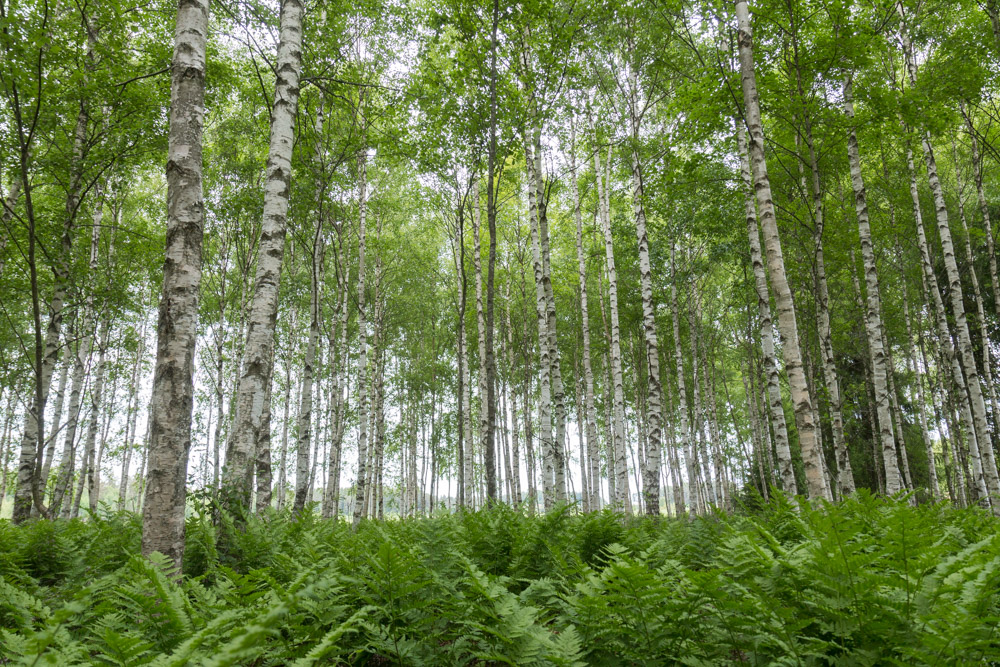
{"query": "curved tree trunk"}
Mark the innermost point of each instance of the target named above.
(26, 492)
(984, 209)
(50, 441)
(977, 298)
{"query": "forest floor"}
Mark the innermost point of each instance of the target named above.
(866, 582)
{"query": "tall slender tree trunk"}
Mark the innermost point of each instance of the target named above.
(359, 498)
(593, 470)
(485, 437)
(464, 427)
(27, 495)
(776, 411)
(687, 433)
(489, 445)
(930, 286)
(338, 380)
(177, 328)
(283, 454)
(50, 442)
(798, 387)
(609, 418)
(546, 437)
(873, 310)
(955, 292)
(558, 393)
(133, 417)
(977, 297)
(64, 483)
(616, 449)
(526, 386)
(92, 454)
(258, 356)
(654, 402)
(984, 209)
(918, 376)
(514, 428)
(302, 487)
(5, 446)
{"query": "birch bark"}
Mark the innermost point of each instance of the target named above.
(873, 310)
(258, 356)
(617, 448)
(485, 442)
(590, 428)
(984, 209)
(654, 402)
(687, 437)
(930, 285)
(359, 498)
(177, 328)
(776, 411)
(955, 292)
(302, 487)
(808, 439)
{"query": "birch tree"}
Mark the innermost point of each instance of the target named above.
(787, 326)
(258, 355)
(173, 377)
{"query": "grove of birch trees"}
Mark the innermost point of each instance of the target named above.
(382, 259)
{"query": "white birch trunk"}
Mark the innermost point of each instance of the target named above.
(873, 310)
(359, 498)
(776, 411)
(955, 292)
(593, 470)
(921, 403)
(617, 445)
(977, 298)
(930, 284)
(484, 424)
(687, 435)
(808, 437)
(546, 437)
(302, 468)
(984, 209)
(654, 402)
(177, 328)
(258, 356)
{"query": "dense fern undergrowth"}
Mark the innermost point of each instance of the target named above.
(867, 582)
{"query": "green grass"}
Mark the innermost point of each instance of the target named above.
(868, 582)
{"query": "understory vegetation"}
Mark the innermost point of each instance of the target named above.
(869, 581)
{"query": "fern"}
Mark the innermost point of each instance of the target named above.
(866, 582)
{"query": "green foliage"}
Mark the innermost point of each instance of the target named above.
(871, 581)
